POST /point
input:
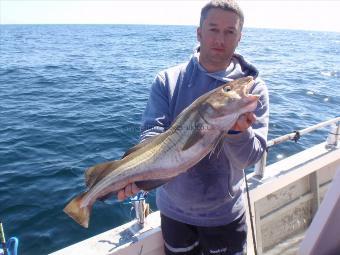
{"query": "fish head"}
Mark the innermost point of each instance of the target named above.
(226, 103)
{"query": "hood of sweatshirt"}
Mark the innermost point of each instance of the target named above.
(237, 68)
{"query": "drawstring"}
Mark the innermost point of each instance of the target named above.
(193, 75)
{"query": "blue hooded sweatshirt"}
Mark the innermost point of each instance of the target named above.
(211, 192)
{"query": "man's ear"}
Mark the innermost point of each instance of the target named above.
(239, 39)
(198, 34)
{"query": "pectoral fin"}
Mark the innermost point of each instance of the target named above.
(192, 140)
(218, 143)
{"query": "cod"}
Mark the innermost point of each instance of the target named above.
(194, 134)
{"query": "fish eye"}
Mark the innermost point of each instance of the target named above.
(227, 88)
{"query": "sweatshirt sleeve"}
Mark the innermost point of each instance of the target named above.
(246, 148)
(155, 118)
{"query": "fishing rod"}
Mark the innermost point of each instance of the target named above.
(3, 239)
(250, 215)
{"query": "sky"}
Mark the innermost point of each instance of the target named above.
(301, 14)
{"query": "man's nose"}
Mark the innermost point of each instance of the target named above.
(219, 39)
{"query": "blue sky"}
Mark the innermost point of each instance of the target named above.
(302, 14)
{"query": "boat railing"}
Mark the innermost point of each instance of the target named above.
(332, 141)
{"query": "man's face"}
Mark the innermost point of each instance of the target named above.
(218, 36)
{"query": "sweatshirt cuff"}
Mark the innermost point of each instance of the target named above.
(239, 137)
(233, 132)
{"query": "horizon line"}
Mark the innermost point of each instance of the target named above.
(162, 24)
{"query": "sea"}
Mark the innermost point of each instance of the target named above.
(72, 96)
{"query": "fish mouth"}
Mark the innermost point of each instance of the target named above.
(251, 102)
(241, 86)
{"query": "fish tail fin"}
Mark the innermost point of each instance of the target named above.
(80, 214)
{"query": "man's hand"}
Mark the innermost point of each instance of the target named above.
(244, 122)
(130, 190)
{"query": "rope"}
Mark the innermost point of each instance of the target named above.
(250, 215)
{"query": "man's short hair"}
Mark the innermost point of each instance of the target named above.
(227, 5)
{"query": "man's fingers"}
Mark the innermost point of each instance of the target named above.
(121, 195)
(244, 121)
(135, 189)
(129, 190)
(248, 119)
(251, 118)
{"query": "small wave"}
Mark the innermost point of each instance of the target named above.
(330, 73)
(15, 70)
(280, 156)
(320, 96)
(8, 71)
(52, 67)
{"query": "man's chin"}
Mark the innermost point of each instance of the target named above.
(221, 60)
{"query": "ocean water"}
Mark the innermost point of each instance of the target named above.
(72, 96)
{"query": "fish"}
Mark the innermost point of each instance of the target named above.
(194, 134)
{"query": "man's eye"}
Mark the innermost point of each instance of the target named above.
(227, 88)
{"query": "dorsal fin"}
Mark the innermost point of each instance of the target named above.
(98, 172)
(139, 146)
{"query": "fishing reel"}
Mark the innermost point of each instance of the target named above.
(11, 246)
(141, 208)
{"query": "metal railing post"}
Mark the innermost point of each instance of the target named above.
(261, 165)
(337, 134)
(333, 136)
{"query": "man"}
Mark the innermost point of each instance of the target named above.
(202, 210)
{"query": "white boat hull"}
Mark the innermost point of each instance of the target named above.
(283, 204)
